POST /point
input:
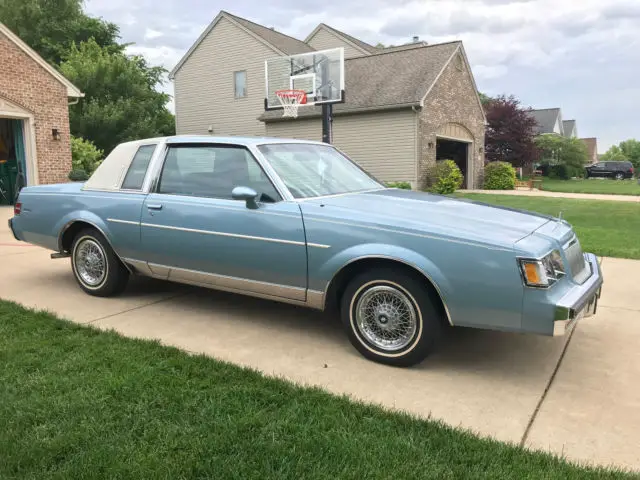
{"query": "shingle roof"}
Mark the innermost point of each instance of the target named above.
(386, 80)
(363, 45)
(546, 119)
(568, 126)
(406, 46)
(282, 42)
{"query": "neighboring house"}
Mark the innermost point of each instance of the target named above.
(570, 129)
(592, 148)
(406, 106)
(548, 120)
(34, 113)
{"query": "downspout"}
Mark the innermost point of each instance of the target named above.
(73, 102)
(415, 110)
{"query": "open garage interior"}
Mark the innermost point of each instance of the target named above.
(12, 159)
(457, 151)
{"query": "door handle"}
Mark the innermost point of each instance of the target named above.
(154, 206)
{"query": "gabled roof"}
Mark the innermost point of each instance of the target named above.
(569, 127)
(72, 90)
(282, 42)
(279, 42)
(406, 46)
(359, 44)
(546, 119)
(382, 81)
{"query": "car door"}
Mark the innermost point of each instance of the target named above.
(193, 231)
(598, 170)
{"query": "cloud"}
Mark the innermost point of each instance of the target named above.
(578, 55)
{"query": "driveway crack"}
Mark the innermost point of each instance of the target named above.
(527, 430)
(138, 307)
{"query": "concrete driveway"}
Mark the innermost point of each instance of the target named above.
(579, 397)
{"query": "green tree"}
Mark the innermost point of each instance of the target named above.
(615, 154)
(484, 99)
(85, 156)
(121, 102)
(559, 150)
(631, 150)
(51, 27)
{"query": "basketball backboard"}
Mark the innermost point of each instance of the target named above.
(320, 74)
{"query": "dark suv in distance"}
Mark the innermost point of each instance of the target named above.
(617, 170)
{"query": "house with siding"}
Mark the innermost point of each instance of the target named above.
(569, 128)
(406, 107)
(548, 120)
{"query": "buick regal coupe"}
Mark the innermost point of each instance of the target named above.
(299, 222)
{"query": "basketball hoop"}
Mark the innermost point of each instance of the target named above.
(291, 101)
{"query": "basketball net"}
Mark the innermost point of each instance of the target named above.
(291, 101)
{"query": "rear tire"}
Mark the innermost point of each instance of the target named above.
(96, 267)
(619, 176)
(391, 317)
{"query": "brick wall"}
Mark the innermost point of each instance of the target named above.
(452, 100)
(24, 82)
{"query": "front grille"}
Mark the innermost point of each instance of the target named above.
(575, 258)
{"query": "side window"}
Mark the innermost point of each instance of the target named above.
(213, 171)
(240, 84)
(138, 168)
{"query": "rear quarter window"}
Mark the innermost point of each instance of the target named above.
(138, 168)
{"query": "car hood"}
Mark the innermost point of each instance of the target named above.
(436, 214)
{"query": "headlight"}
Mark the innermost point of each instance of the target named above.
(543, 272)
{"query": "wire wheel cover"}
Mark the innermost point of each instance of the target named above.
(386, 317)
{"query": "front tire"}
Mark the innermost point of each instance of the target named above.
(96, 267)
(391, 317)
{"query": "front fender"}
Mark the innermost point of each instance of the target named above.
(333, 265)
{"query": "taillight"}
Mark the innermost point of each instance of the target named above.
(631, 170)
(17, 208)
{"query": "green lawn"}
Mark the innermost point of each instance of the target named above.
(605, 228)
(79, 403)
(593, 185)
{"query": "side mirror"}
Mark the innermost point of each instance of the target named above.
(247, 194)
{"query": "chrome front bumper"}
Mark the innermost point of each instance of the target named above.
(581, 301)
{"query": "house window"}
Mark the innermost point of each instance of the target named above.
(240, 84)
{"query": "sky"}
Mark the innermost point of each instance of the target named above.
(580, 55)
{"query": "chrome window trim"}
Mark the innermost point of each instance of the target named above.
(162, 156)
(146, 173)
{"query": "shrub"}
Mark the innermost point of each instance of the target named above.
(85, 155)
(559, 171)
(499, 176)
(444, 178)
(402, 185)
(78, 175)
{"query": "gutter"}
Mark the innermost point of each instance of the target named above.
(351, 111)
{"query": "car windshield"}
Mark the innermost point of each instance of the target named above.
(316, 170)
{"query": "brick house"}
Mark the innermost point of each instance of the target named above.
(34, 115)
(406, 107)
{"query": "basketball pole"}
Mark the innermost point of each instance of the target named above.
(327, 122)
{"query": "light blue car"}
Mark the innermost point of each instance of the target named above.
(298, 222)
